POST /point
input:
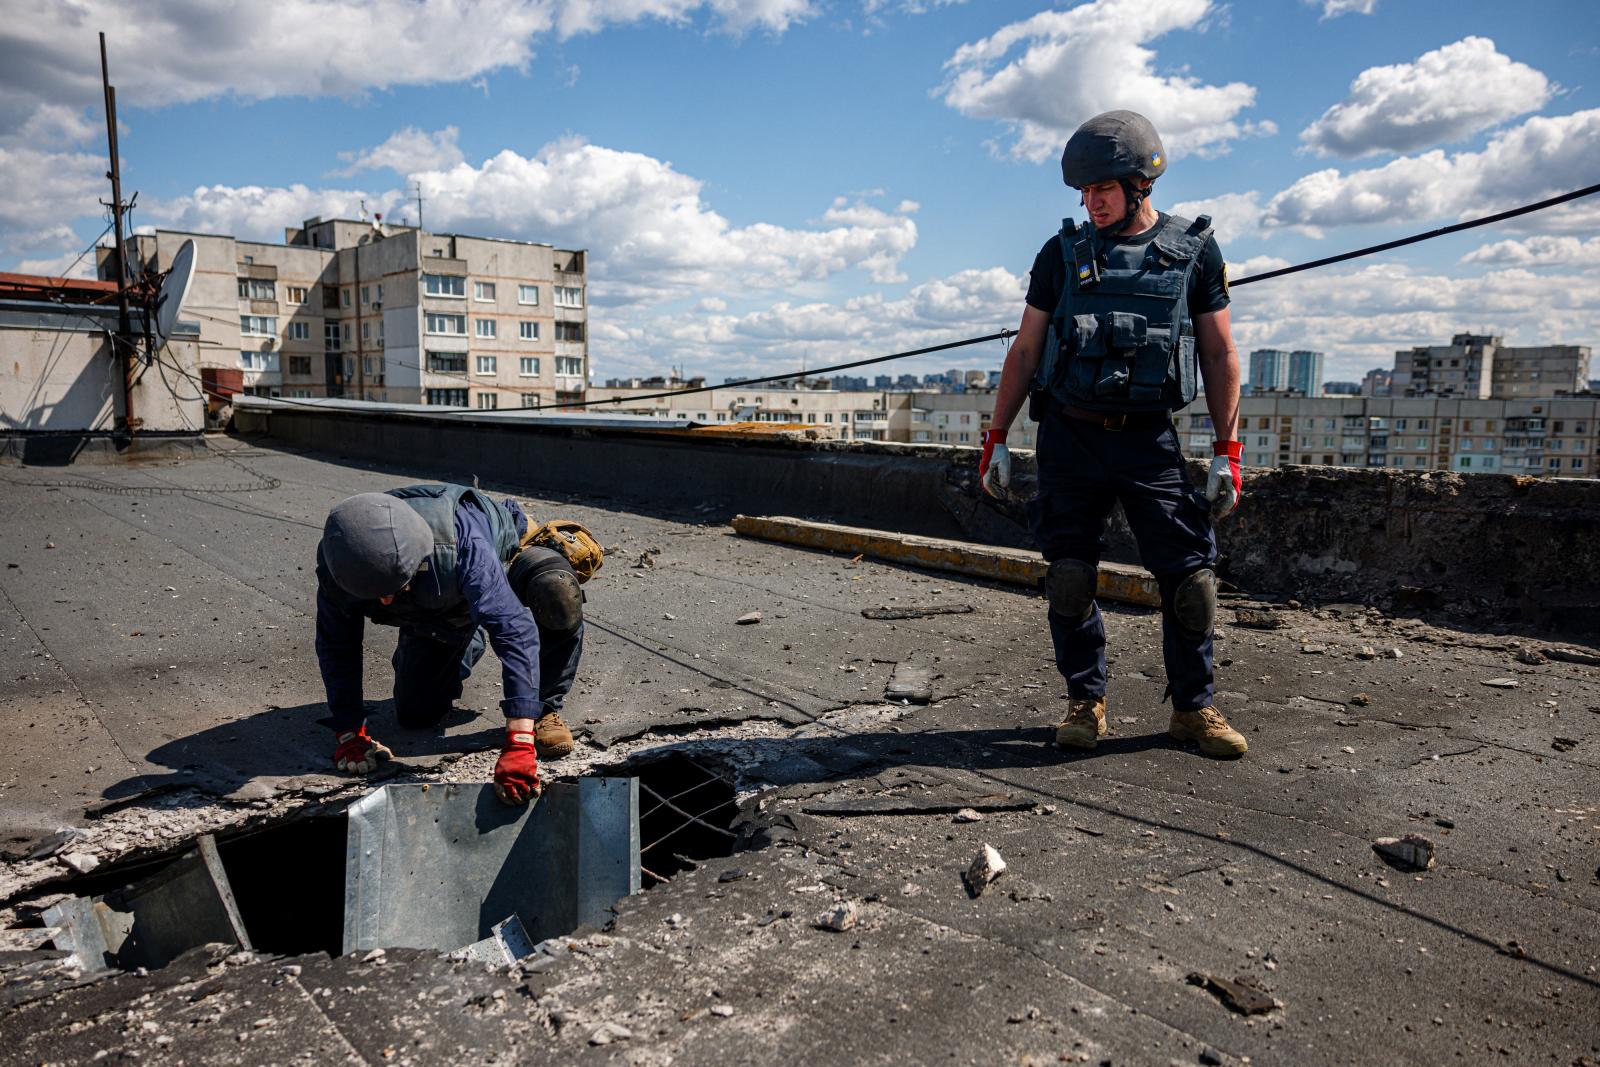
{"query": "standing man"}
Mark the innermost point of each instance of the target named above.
(1119, 312)
(454, 571)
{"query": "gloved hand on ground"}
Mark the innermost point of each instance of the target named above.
(994, 467)
(516, 772)
(358, 752)
(1225, 485)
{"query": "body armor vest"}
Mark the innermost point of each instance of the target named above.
(434, 602)
(1124, 343)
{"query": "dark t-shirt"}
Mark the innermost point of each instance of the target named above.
(1208, 287)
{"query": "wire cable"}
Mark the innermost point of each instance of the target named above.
(1415, 238)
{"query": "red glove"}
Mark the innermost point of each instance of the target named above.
(996, 460)
(516, 772)
(358, 752)
(1225, 485)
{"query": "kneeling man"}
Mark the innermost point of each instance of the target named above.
(454, 571)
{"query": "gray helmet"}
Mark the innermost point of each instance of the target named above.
(373, 544)
(1111, 147)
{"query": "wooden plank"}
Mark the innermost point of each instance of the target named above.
(1118, 581)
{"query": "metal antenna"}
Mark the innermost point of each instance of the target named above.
(419, 205)
(122, 343)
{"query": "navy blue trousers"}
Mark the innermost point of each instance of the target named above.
(429, 674)
(1083, 471)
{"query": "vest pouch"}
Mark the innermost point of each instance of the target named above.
(1128, 330)
(1087, 341)
(1188, 384)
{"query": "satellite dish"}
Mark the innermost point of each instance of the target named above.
(169, 301)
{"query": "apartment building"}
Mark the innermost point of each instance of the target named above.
(1536, 436)
(1478, 366)
(347, 308)
(848, 416)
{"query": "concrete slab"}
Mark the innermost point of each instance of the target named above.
(1136, 865)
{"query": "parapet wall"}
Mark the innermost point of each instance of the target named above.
(1481, 547)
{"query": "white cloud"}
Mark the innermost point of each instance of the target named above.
(789, 334)
(175, 51)
(1332, 9)
(1361, 317)
(1045, 75)
(44, 190)
(1539, 158)
(651, 233)
(1234, 216)
(405, 151)
(1446, 95)
(1539, 252)
(905, 7)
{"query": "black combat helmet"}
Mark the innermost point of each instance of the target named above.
(1115, 146)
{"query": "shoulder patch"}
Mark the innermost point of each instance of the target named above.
(1224, 279)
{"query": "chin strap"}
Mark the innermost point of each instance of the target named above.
(1135, 197)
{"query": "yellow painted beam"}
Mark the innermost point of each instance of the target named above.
(1118, 581)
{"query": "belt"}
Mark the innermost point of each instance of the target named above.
(1116, 420)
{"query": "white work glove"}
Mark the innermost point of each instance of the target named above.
(994, 469)
(1224, 485)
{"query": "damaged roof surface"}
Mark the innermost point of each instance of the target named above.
(156, 639)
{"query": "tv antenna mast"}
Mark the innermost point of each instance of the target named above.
(122, 340)
(418, 199)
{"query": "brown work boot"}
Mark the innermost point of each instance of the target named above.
(551, 738)
(1208, 729)
(1084, 725)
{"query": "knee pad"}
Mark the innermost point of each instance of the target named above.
(1194, 602)
(1070, 584)
(547, 584)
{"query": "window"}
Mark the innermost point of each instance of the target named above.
(299, 331)
(483, 291)
(447, 398)
(448, 363)
(366, 295)
(1264, 424)
(488, 401)
(1422, 424)
(258, 325)
(1466, 461)
(528, 366)
(1577, 464)
(569, 331)
(1399, 424)
(1466, 444)
(437, 323)
(258, 361)
(380, 293)
(569, 364)
(483, 327)
(528, 294)
(330, 337)
(366, 331)
(487, 364)
(1398, 461)
(258, 289)
(248, 260)
(1466, 425)
(444, 285)
(1554, 464)
(1556, 427)
(569, 296)
(300, 365)
(530, 400)
(344, 297)
(344, 328)
(528, 331)
(295, 294)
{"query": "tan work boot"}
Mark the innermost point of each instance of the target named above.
(1208, 729)
(1084, 725)
(551, 738)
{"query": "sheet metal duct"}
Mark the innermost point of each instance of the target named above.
(440, 866)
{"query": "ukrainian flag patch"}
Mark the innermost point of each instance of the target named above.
(1155, 159)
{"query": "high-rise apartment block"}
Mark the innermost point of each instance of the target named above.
(1305, 373)
(1478, 366)
(354, 309)
(1269, 370)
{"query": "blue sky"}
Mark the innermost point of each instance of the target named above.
(765, 181)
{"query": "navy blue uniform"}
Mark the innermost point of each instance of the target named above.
(1085, 468)
(432, 662)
